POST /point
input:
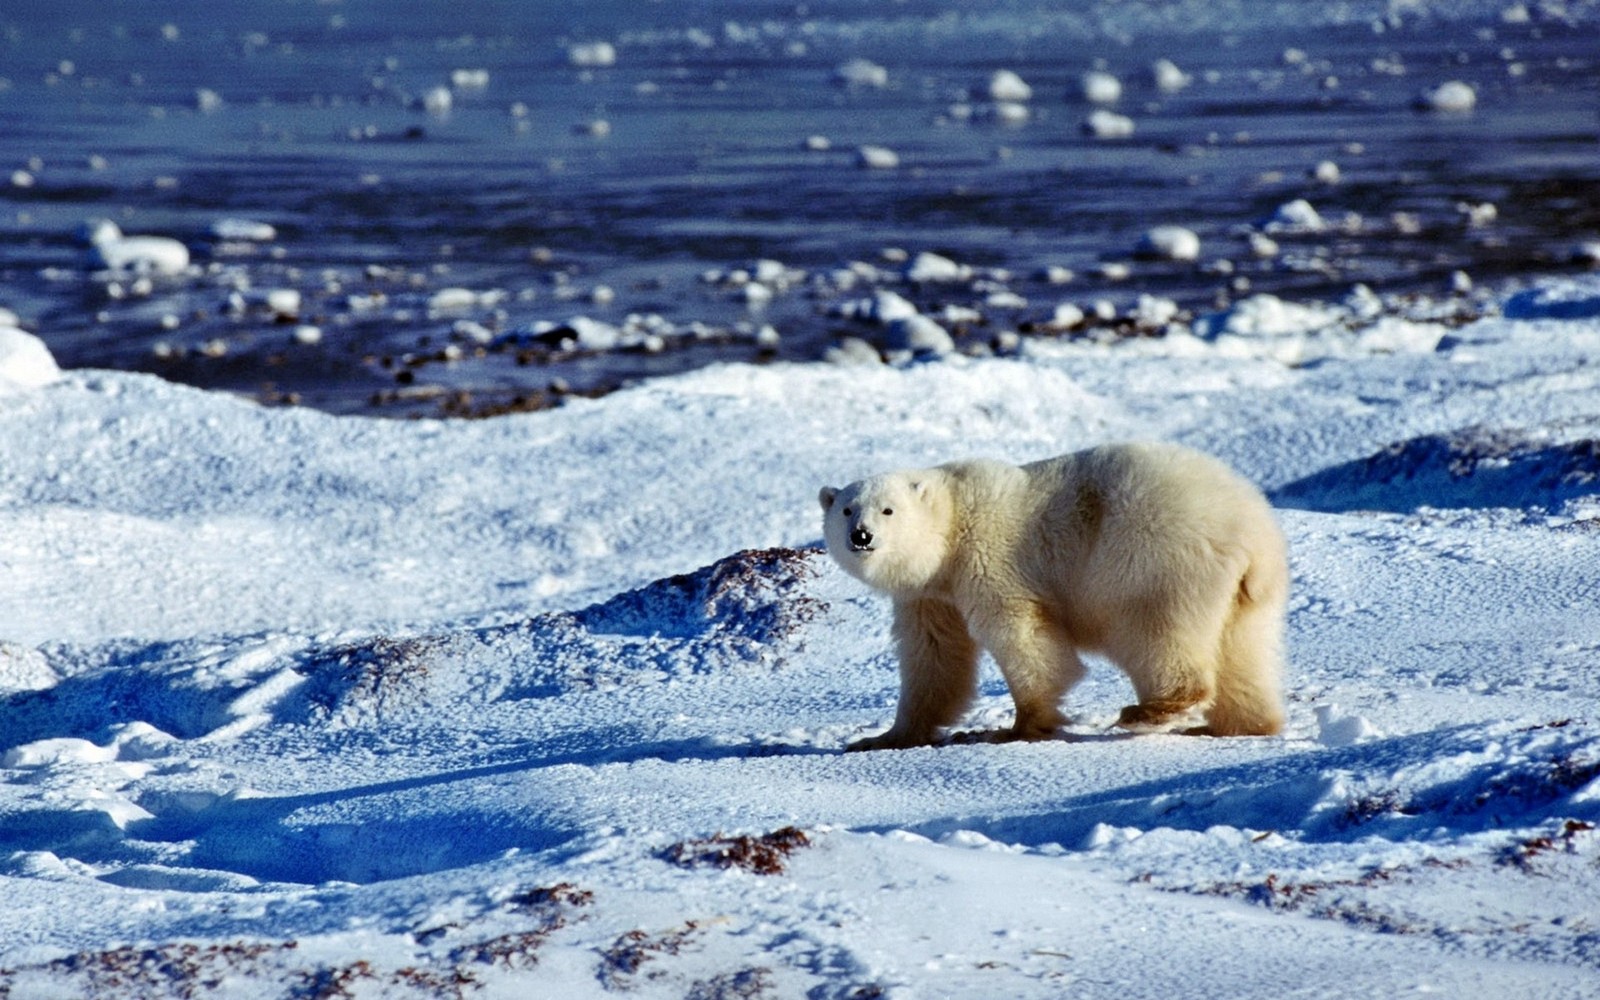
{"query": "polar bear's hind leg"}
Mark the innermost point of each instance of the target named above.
(1249, 699)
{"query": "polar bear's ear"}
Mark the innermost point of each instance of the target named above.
(826, 497)
(920, 488)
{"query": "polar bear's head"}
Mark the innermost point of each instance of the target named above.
(889, 531)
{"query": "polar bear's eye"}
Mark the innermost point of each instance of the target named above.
(888, 511)
(847, 512)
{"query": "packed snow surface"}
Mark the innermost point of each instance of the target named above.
(553, 704)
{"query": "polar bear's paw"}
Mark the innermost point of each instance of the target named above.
(1152, 715)
(890, 740)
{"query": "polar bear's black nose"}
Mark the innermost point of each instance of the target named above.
(860, 538)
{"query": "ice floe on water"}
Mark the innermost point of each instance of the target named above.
(1450, 96)
(110, 250)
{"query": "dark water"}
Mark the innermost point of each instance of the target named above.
(379, 204)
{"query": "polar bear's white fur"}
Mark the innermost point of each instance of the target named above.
(1159, 557)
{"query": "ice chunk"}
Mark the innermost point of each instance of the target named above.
(1168, 77)
(931, 267)
(1103, 124)
(877, 158)
(25, 363)
(438, 101)
(1266, 316)
(852, 351)
(1297, 216)
(861, 73)
(1452, 96)
(1100, 87)
(247, 230)
(919, 334)
(592, 54)
(110, 250)
(1169, 243)
(1005, 85)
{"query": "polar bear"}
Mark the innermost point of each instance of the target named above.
(1157, 556)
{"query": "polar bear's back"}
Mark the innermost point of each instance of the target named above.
(1117, 521)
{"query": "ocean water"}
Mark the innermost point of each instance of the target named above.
(640, 193)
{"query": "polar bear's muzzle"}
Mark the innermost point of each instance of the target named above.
(860, 540)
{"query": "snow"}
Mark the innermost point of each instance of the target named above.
(527, 705)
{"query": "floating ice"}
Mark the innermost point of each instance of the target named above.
(244, 229)
(1452, 96)
(1169, 243)
(861, 73)
(207, 101)
(469, 79)
(1297, 216)
(1263, 246)
(755, 294)
(110, 250)
(1103, 124)
(1008, 112)
(877, 158)
(1005, 85)
(452, 300)
(1325, 172)
(931, 267)
(21, 179)
(280, 302)
(1100, 87)
(818, 143)
(1004, 298)
(25, 361)
(592, 54)
(1168, 77)
(438, 101)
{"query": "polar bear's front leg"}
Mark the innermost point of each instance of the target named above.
(938, 673)
(1037, 659)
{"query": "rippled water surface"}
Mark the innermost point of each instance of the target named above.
(644, 187)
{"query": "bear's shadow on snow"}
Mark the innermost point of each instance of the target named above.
(1476, 467)
(434, 831)
(1325, 794)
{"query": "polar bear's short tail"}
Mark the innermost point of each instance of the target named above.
(1249, 699)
